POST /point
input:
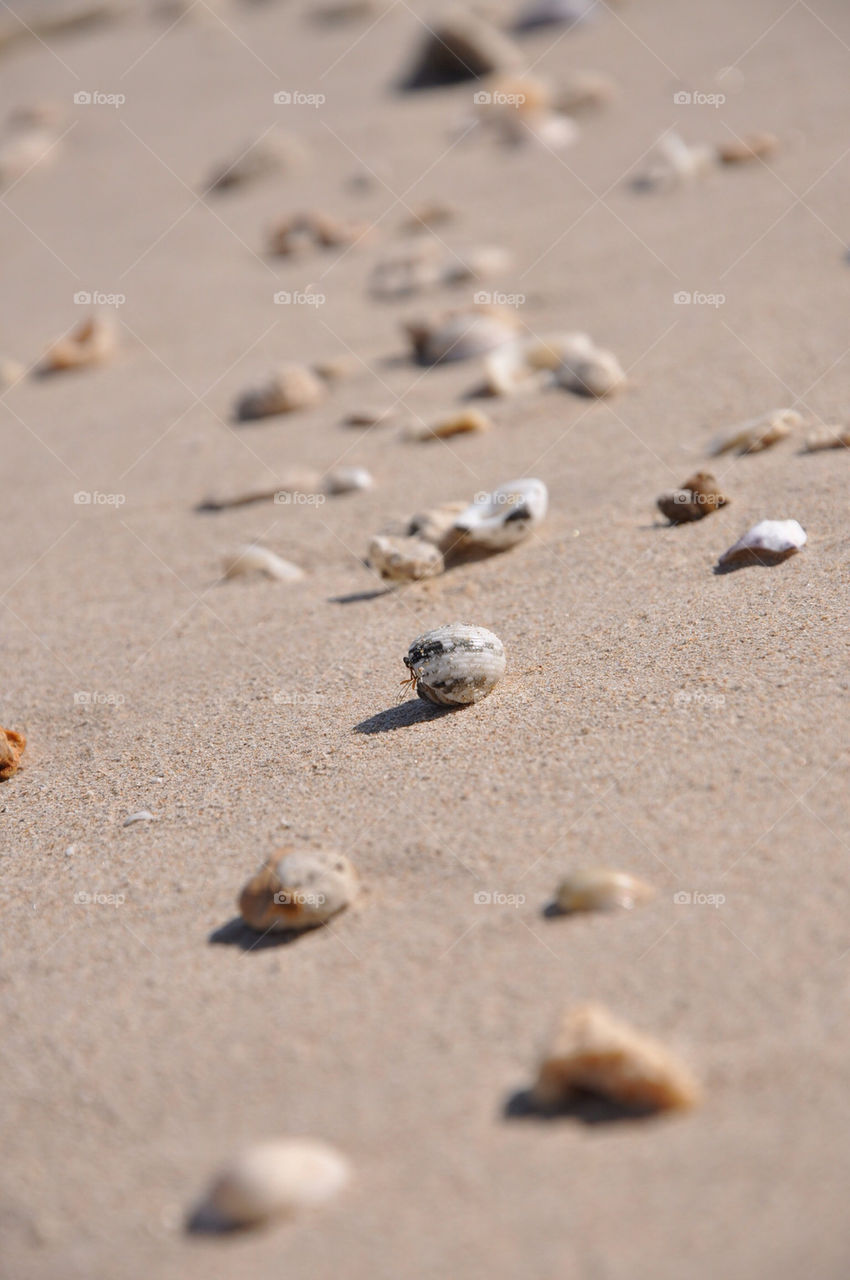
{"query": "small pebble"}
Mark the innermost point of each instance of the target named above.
(256, 559)
(755, 146)
(459, 335)
(758, 434)
(91, 342)
(276, 1179)
(405, 559)
(12, 745)
(828, 438)
(347, 480)
(594, 1052)
(144, 815)
(292, 387)
(460, 422)
(596, 889)
(455, 664)
(298, 889)
(697, 498)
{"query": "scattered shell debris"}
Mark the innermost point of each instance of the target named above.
(405, 559)
(91, 342)
(430, 266)
(298, 889)
(754, 146)
(458, 423)
(768, 542)
(459, 335)
(254, 559)
(144, 815)
(598, 889)
(697, 498)
(12, 746)
(276, 1179)
(292, 388)
(501, 519)
(462, 47)
(314, 230)
(518, 110)
(594, 1052)
(835, 437)
(455, 664)
(758, 434)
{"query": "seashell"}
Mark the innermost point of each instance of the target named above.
(460, 422)
(368, 417)
(500, 519)
(455, 664)
(316, 229)
(347, 480)
(12, 746)
(252, 162)
(596, 889)
(425, 216)
(595, 1052)
(675, 162)
(759, 433)
(337, 368)
(551, 13)
(144, 815)
(768, 542)
(557, 348)
(462, 47)
(91, 342)
(597, 373)
(24, 150)
(755, 146)
(276, 1179)
(698, 497)
(298, 889)
(506, 372)
(255, 559)
(292, 387)
(438, 524)
(459, 335)
(828, 438)
(585, 91)
(405, 559)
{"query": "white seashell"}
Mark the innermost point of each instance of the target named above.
(597, 1053)
(596, 374)
(144, 815)
(557, 349)
(347, 480)
(596, 889)
(405, 559)
(460, 422)
(292, 387)
(256, 559)
(461, 335)
(504, 517)
(506, 371)
(455, 664)
(276, 1179)
(759, 433)
(298, 889)
(549, 13)
(768, 541)
(835, 437)
(675, 162)
(91, 342)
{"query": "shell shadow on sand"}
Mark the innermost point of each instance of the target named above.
(236, 933)
(586, 1108)
(748, 559)
(414, 711)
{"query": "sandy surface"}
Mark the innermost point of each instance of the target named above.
(688, 727)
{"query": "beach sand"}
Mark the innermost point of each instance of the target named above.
(688, 727)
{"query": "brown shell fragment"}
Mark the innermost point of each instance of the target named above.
(594, 1052)
(755, 146)
(291, 388)
(11, 749)
(828, 438)
(298, 889)
(698, 497)
(89, 343)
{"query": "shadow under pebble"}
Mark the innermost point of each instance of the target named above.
(586, 1108)
(415, 711)
(236, 933)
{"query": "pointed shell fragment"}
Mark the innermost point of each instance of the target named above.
(292, 387)
(768, 542)
(504, 517)
(455, 664)
(460, 422)
(255, 559)
(91, 342)
(697, 498)
(759, 433)
(461, 47)
(276, 1179)
(405, 559)
(298, 889)
(12, 746)
(597, 889)
(594, 1052)
(754, 146)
